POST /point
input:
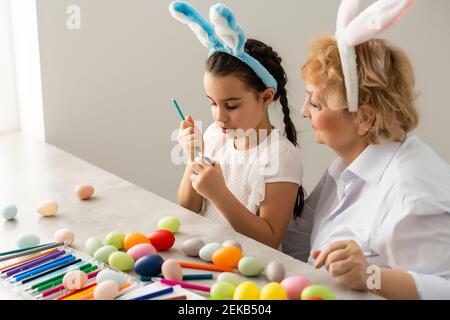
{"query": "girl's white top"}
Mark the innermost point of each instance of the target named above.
(246, 173)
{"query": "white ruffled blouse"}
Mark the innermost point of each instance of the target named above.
(247, 172)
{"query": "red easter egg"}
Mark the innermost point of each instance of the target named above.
(162, 240)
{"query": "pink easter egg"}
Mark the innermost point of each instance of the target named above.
(74, 280)
(140, 250)
(294, 286)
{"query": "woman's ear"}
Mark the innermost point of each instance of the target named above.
(267, 96)
(366, 119)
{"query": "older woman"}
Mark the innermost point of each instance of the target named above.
(385, 201)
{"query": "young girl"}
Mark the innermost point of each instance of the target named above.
(254, 183)
(380, 215)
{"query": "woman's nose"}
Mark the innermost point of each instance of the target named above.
(304, 111)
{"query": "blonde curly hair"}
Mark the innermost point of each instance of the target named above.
(386, 84)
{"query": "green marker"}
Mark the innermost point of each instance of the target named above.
(197, 148)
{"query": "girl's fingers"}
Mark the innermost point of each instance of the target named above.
(197, 168)
(324, 254)
(193, 178)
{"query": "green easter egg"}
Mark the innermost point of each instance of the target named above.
(115, 239)
(121, 261)
(92, 245)
(103, 253)
(28, 240)
(169, 223)
(316, 291)
(250, 266)
(222, 291)
(230, 277)
(9, 212)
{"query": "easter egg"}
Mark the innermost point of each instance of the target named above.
(103, 253)
(106, 290)
(275, 271)
(247, 290)
(191, 247)
(9, 212)
(84, 192)
(273, 291)
(121, 261)
(231, 243)
(107, 274)
(64, 235)
(169, 223)
(171, 270)
(294, 286)
(149, 266)
(134, 238)
(207, 251)
(162, 240)
(92, 245)
(140, 250)
(222, 291)
(250, 266)
(316, 291)
(115, 239)
(227, 257)
(27, 240)
(74, 280)
(48, 208)
(230, 277)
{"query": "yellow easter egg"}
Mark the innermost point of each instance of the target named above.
(273, 291)
(247, 290)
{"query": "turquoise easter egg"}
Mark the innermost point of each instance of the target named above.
(9, 212)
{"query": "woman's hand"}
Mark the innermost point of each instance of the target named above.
(190, 138)
(207, 179)
(345, 262)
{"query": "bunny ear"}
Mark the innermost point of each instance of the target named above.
(348, 10)
(185, 13)
(228, 31)
(380, 16)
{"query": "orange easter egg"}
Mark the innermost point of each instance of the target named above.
(227, 257)
(134, 238)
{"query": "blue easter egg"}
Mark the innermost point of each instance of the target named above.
(149, 266)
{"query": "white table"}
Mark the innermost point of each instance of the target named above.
(32, 171)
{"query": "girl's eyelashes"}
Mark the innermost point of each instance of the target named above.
(231, 108)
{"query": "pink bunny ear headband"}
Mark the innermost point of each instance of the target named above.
(353, 29)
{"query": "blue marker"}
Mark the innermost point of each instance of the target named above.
(154, 294)
(197, 148)
(46, 267)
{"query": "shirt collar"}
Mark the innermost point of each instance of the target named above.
(370, 165)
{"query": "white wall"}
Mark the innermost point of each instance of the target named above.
(107, 86)
(8, 96)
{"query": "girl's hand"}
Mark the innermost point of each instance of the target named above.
(207, 179)
(190, 137)
(345, 262)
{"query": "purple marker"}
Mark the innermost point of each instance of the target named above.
(33, 263)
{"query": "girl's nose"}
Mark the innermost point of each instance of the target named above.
(221, 115)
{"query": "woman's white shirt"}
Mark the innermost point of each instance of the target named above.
(394, 201)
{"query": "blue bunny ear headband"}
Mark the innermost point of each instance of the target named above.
(222, 34)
